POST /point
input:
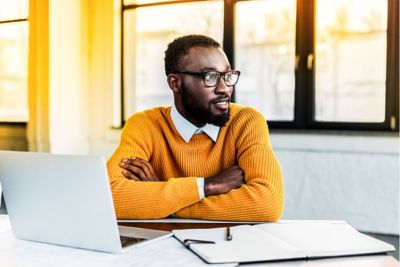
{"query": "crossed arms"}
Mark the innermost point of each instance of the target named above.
(251, 190)
(141, 170)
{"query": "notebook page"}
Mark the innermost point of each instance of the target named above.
(325, 238)
(247, 245)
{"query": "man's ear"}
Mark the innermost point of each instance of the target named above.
(174, 82)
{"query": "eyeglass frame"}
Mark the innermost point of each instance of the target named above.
(204, 73)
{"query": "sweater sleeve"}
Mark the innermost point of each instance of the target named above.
(261, 197)
(145, 200)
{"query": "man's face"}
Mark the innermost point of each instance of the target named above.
(204, 104)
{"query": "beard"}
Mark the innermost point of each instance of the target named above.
(200, 114)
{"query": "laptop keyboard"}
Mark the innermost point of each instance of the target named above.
(129, 240)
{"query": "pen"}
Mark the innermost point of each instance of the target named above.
(228, 234)
(188, 242)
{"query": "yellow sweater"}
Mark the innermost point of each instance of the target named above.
(244, 140)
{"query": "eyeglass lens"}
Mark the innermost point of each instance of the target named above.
(212, 78)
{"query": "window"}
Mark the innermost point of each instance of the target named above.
(147, 30)
(315, 64)
(350, 69)
(14, 31)
(265, 43)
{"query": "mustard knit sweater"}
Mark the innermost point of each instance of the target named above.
(151, 135)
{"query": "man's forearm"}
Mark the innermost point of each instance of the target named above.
(152, 200)
(254, 202)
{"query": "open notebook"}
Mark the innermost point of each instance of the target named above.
(281, 241)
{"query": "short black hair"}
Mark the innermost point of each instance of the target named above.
(180, 47)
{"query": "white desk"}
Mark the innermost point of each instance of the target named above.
(167, 252)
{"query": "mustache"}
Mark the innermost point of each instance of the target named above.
(220, 99)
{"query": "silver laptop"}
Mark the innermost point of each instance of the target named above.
(65, 200)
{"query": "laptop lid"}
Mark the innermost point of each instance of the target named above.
(60, 199)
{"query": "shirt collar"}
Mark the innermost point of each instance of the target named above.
(186, 129)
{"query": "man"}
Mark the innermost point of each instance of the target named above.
(202, 158)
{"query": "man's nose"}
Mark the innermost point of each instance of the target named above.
(222, 88)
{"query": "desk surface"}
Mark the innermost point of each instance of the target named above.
(169, 226)
(167, 252)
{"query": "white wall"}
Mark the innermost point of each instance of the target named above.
(352, 177)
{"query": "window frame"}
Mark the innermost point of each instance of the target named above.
(304, 94)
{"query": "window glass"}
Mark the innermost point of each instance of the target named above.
(13, 71)
(265, 53)
(13, 9)
(146, 39)
(351, 60)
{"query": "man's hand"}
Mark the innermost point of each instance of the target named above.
(224, 182)
(138, 169)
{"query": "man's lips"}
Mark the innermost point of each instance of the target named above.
(222, 99)
(222, 103)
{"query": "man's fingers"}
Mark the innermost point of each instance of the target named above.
(144, 165)
(138, 172)
(140, 168)
(130, 175)
(225, 181)
(238, 183)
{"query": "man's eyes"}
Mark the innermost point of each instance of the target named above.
(211, 75)
(228, 76)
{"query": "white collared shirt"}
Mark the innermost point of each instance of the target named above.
(186, 130)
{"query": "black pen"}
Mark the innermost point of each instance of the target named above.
(228, 234)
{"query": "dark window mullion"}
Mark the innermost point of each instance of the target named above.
(309, 51)
(229, 25)
(304, 82)
(356, 126)
(13, 20)
(229, 31)
(155, 3)
(392, 67)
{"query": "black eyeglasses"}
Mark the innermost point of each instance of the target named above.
(212, 78)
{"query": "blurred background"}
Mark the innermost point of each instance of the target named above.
(325, 74)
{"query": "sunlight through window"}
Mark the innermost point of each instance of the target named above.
(13, 61)
(351, 60)
(147, 32)
(265, 53)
